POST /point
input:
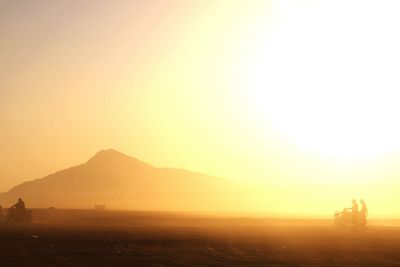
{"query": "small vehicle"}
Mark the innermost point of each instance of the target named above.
(345, 218)
(14, 215)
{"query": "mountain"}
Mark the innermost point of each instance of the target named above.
(116, 180)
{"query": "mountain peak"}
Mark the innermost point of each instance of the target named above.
(109, 156)
(109, 153)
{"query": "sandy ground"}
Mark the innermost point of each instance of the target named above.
(146, 239)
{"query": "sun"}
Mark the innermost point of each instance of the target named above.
(328, 85)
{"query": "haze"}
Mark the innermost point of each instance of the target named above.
(295, 98)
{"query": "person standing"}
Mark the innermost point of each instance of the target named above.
(363, 212)
(364, 209)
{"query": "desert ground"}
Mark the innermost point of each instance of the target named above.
(117, 238)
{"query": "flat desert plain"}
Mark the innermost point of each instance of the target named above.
(116, 238)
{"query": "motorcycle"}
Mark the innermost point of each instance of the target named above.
(14, 215)
(346, 218)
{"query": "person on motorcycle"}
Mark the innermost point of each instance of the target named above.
(19, 206)
(18, 213)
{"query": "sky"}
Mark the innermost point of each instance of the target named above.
(300, 96)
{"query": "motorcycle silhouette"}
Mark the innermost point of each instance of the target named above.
(15, 215)
(346, 218)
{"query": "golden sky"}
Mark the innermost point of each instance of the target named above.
(301, 96)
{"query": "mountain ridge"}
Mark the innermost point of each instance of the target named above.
(121, 181)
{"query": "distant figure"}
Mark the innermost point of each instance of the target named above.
(18, 213)
(363, 212)
(354, 211)
(19, 206)
(364, 209)
(1, 211)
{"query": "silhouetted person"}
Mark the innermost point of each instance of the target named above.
(354, 211)
(19, 206)
(18, 213)
(1, 211)
(363, 212)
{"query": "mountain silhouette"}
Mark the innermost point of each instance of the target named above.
(120, 181)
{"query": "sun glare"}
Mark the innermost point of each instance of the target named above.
(327, 81)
